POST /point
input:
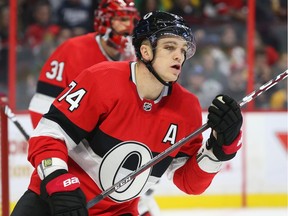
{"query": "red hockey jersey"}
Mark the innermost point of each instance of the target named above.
(68, 60)
(105, 130)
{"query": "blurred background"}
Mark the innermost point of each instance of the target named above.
(241, 44)
(224, 62)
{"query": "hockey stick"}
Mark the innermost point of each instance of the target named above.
(181, 142)
(13, 118)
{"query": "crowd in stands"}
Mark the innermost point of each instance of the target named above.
(219, 65)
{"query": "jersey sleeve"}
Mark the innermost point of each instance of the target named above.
(84, 100)
(73, 114)
(188, 176)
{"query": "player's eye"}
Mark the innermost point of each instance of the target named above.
(169, 47)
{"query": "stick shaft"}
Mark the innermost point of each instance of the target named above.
(181, 142)
(263, 88)
(13, 118)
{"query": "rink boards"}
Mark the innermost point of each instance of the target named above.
(256, 177)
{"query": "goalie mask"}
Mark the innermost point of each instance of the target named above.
(155, 25)
(115, 9)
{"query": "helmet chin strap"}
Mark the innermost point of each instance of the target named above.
(148, 64)
(151, 69)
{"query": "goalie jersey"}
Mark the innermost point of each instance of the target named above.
(67, 61)
(104, 130)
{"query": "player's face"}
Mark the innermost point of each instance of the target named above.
(170, 55)
(122, 25)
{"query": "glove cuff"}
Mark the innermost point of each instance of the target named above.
(59, 181)
(61, 190)
(49, 165)
(64, 183)
(234, 146)
(207, 161)
(218, 151)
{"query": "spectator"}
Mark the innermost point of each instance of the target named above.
(148, 6)
(279, 8)
(226, 10)
(42, 30)
(191, 11)
(195, 79)
(229, 52)
(211, 70)
(4, 24)
(26, 12)
(270, 52)
(236, 84)
(63, 35)
(202, 86)
(263, 73)
(281, 64)
(278, 99)
(73, 14)
(265, 19)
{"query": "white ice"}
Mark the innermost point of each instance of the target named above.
(228, 212)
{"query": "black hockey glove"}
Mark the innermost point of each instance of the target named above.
(225, 119)
(62, 192)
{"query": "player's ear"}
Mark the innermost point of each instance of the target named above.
(146, 51)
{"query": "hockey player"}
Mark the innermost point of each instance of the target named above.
(114, 23)
(116, 116)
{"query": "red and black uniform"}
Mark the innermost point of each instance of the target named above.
(103, 130)
(68, 60)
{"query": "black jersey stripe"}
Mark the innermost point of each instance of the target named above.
(159, 168)
(48, 89)
(74, 132)
(101, 143)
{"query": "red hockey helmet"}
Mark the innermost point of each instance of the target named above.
(109, 9)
